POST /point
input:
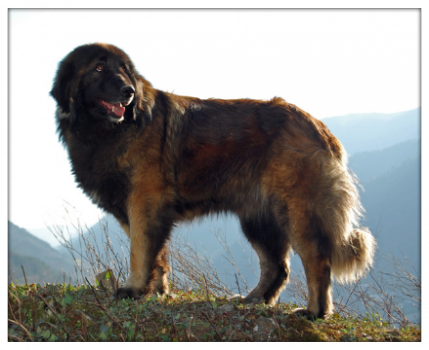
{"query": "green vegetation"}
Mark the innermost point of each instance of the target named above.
(199, 309)
(62, 312)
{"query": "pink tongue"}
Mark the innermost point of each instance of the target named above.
(119, 110)
(116, 108)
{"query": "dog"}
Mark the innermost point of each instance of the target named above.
(154, 159)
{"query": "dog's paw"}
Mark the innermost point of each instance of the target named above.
(304, 313)
(161, 291)
(131, 293)
(170, 295)
(309, 315)
(256, 299)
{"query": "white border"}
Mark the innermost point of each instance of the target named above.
(206, 5)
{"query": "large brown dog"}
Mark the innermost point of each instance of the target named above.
(153, 159)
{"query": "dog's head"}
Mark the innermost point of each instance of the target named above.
(98, 82)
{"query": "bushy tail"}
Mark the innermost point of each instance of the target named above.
(352, 258)
(340, 210)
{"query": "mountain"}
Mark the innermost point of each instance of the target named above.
(36, 271)
(373, 164)
(97, 235)
(390, 194)
(393, 207)
(43, 263)
(44, 234)
(373, 131)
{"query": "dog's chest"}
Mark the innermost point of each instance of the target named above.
(95, 197)
(100, 177)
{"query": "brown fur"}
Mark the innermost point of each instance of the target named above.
(173, 158)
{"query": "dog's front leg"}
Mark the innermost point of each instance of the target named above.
(149, 232)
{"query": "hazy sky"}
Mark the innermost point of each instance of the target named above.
(328, 62)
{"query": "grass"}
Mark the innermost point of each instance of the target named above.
(62, 312)
(199, 308)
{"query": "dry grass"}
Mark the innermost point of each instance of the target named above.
(200, 309)
(88, 313)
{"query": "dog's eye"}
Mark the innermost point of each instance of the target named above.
(99, 68)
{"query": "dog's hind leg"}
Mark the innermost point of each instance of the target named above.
(272, 247)
(324, 207)
(314, 247)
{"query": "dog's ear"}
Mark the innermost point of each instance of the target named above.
(144, 101)
(61, 89)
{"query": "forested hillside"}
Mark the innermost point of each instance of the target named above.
(41, 262)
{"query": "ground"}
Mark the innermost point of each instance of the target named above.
(63, 312)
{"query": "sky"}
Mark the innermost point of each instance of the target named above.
(328, 62)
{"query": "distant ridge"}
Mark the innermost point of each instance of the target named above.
(373, 131)
(372, 164)
(41, 262)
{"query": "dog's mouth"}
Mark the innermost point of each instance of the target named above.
(114, 108)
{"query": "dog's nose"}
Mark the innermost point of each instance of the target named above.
(127, 90)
